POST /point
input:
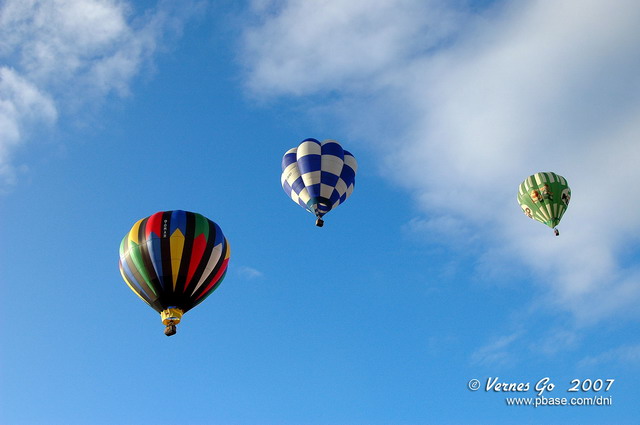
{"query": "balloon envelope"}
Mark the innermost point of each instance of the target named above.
(544, 197)
(174, 260)
(318, 176)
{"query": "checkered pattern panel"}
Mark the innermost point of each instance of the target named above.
(309, 158)
(347, 180)
(291, 180)
(332, 161)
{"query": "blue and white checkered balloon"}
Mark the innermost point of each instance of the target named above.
(318, 176)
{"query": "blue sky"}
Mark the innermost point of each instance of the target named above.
(427, 277)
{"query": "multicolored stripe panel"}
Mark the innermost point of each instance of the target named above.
(174, 259)
(544, 197)
(318, 176)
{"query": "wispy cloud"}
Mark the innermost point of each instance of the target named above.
(477, 101)
(498, 352)
(60, 55)
(625, 354)
(448, 229)
(249, 273)
(554, 341)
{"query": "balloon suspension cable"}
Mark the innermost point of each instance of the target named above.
(170, 318)
(556, 231)
(319, 222)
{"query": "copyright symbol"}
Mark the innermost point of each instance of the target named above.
(474, 385)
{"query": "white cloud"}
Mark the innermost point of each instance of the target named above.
(21, 104)
(303, 47)
(477, 103)
(67, 54)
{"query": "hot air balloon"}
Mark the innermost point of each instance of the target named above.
(173, 260)
(318, 176)
(545, 197)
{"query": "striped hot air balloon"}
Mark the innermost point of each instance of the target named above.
(545, 197)
(318, 176)
(173, 260)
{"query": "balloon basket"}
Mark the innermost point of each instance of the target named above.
(170, 318)
(319, 222)
(556, 232)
